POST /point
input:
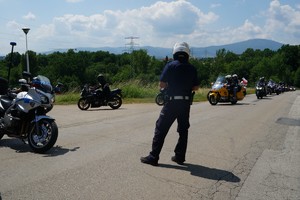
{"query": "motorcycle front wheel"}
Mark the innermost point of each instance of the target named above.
(259, 95)
(83, 104)
(43, 135)
(213, 100)
(115, 102)
(159, 99)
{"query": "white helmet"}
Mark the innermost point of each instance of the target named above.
(22, 81)
(181, 47)
(228, 76)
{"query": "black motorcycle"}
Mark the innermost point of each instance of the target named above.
(260, 90)
(273, 88)
(96, 98)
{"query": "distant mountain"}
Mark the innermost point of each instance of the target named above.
(237, 48)
(198, 52)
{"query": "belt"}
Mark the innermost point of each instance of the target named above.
(179, 98)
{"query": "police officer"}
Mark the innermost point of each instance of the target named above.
(180, 78)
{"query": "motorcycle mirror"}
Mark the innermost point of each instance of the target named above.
(26, 74)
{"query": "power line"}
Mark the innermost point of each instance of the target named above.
(131, 45)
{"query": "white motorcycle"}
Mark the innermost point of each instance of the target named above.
(23, 115)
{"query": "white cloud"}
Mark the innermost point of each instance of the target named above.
(12, 25)
(284, 20)
(29, 16)
(161, 24)
(281, 23)
(154, 24)
(215, 5)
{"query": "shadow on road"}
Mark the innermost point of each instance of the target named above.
(205, 172)
(58, 151)
(99, 109)
(288, 121)
(20, 147)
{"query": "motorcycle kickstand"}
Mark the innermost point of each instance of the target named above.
(24, 141)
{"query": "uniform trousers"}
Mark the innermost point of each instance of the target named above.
(172, 110)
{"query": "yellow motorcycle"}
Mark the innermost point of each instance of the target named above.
(220, 92)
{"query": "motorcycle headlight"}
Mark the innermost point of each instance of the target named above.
(52, 99)
(44, 100)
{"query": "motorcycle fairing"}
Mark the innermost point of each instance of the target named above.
(27, 101)
(39, 117)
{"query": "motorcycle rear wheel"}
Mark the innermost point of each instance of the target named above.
(44, 139)
(159, 99)
(83, 104)
(115, 102)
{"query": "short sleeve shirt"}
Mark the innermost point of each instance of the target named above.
(181, 78)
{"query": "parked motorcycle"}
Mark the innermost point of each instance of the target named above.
(23, 115)
(220, 92)
(97, 98)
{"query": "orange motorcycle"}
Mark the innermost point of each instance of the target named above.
(220, 92)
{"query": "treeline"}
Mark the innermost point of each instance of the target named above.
(74, 69)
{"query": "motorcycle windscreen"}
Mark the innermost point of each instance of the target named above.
(42, 83)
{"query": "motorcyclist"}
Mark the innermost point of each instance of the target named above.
(262, 83)
(229, 84)
(235, 85)
(104, 86)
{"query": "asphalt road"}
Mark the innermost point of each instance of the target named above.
(247, 151)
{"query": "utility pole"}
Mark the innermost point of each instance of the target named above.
(26, 30)
(131, 43)
(131, 46)
(11, 60)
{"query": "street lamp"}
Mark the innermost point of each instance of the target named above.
(11, 60)
(26, 30)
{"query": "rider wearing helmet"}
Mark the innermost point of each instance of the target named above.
(104, 85)
(235, 85)
(263, 84)
(180, 79)
(228, 79)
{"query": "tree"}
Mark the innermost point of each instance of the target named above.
(291, 55)
(297, 78)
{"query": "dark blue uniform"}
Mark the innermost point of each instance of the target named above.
(180, 78)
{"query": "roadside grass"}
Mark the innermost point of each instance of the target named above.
(134, 92)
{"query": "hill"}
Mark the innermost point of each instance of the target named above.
(198, 52)
(238, 48)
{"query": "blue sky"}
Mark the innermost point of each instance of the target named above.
(56, 24)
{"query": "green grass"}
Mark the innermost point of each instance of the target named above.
(67, 98)
(134, 92)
